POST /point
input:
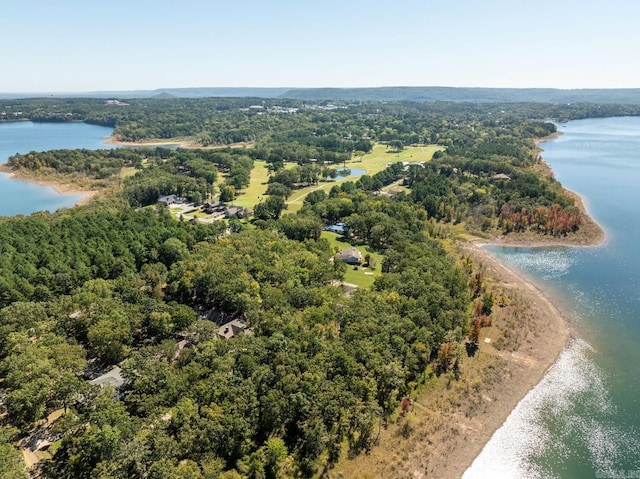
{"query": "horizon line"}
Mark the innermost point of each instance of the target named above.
(92, 91)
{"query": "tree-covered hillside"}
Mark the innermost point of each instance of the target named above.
(105, 284)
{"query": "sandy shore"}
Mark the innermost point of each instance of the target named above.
(453, 420)
(112, 140)
(179, 142)
(544, 334)
(61, 188)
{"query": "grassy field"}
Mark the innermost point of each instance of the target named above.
(372, 162)
(127, 171)
(379, 157)
(252, 195)
(360, 276)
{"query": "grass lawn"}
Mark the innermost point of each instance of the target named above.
(127, 171)
(361, 276)
(199, 214)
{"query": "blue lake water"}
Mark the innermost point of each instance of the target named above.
(20, 197)
(583, 419)
(352, 172)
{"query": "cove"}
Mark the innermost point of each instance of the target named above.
(583, 419)
(23, 198)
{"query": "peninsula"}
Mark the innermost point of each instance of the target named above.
(408, 373)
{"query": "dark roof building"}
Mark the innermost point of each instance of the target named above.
(338, 228)
(172, 200)
(234, 212)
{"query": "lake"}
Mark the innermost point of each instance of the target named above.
(20, 197)
(583, 419)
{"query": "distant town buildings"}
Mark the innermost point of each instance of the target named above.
(116, 103)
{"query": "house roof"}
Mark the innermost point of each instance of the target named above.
(337, 228)
(171, 199)
(234, 328)
(234, 210)
(350, 254)
(112, 378)
(501, 176)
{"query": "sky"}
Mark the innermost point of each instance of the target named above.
(91, 45)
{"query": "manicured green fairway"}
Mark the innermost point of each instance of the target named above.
(379, 157)
(252, 195)
(372, 162)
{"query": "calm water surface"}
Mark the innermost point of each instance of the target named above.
(19, 197)
(583, 419)
(352, 172)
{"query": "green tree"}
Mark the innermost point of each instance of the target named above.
(270, 209)
(396, 146)
(11, 463)
(172, 251)
(227, 193)
(109, 338)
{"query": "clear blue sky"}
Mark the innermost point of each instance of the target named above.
(87, 45)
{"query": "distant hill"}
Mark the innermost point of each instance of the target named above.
(479, 95)
(204, 92)
(402, 94)
(163, 96)
(239, 92)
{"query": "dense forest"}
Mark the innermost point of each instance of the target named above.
(122, 282)
(105, 284)
(219, 121)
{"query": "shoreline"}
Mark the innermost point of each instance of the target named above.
(556, 329)
(112, 140)
(60, 188)
(590, 233)
(453, 422)
(177, 142)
